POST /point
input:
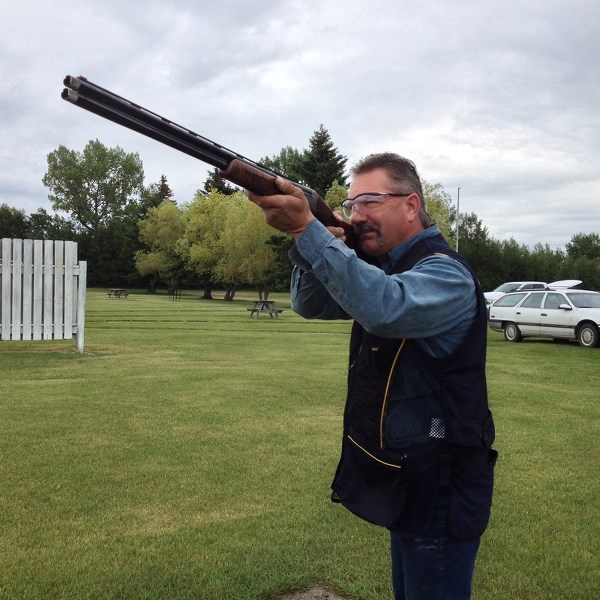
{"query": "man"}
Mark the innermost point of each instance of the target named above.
(416, 451)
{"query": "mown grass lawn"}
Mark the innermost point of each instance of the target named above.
(189, 452)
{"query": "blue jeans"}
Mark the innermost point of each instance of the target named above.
(433, 566)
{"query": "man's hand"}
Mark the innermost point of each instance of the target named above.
(289, 211)
(338, 232)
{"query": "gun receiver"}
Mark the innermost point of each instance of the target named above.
(232, 166)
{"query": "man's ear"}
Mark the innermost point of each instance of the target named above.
(412, 203)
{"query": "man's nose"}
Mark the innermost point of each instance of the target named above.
(356, 217)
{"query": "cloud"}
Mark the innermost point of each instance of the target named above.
(497, 98)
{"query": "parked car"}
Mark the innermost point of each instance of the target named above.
(512, 286)
(561, 314)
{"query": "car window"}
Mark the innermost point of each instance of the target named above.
(507, 287)
(511, 300)
(554, 300)
(585, 300)
(533, 301)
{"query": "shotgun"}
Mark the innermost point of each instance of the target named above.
(232, 166)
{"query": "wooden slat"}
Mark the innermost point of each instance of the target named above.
(17, 289)
(48, 287)
(59, 280)
(27, 286)
(81, 305)
(38, 289)
(6, 288)
(70, 259)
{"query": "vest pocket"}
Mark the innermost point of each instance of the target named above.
(370, 480)
(471, 499)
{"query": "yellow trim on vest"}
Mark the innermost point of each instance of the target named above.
(387, 464)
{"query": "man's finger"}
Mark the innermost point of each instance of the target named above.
(288, 188)
(338, 232)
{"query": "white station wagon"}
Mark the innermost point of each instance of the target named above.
(562, 314)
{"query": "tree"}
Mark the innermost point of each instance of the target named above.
(287, 163)
(438, 204)
(246, 257)
(227, 241)
(335, 195)
(582, 268)
(199, 245)
(545, 263)
(13, 222)
(94, 186)
(215, 182)
(583, 260)
(97, 187)
(516, 264)
(481, 250)
(322, 164)
(584, 245)
(161, 231)
(43, 226)
(155, 194)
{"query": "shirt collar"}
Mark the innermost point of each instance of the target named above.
(396, 253)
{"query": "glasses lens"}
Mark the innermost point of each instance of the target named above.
(347, 208)
(361, 203)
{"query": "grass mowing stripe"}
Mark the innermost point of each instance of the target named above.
(189, 452)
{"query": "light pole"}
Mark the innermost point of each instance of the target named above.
(457, 216)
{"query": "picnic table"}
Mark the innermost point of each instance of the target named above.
(117, 293)
(264, 306)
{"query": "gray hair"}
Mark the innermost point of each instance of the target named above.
(400, 170)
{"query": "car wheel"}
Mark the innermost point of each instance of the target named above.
(512, 333)
(587, 335)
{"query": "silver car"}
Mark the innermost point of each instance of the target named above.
(558, 314)
(513, 286)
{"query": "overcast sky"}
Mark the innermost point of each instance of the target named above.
(499, 98)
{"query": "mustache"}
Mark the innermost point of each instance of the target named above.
(362, 228)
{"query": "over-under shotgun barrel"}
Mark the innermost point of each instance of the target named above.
(232, 166)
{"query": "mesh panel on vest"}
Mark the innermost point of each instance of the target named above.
(413, 413)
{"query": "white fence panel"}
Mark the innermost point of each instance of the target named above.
(42, 291)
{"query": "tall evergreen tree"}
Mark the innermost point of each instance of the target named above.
(287, 163)
(322, 164)
(155, 194)
(215, 182)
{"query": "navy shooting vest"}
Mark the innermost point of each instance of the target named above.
(414, 424)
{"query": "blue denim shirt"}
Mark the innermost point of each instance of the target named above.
(435, 302)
